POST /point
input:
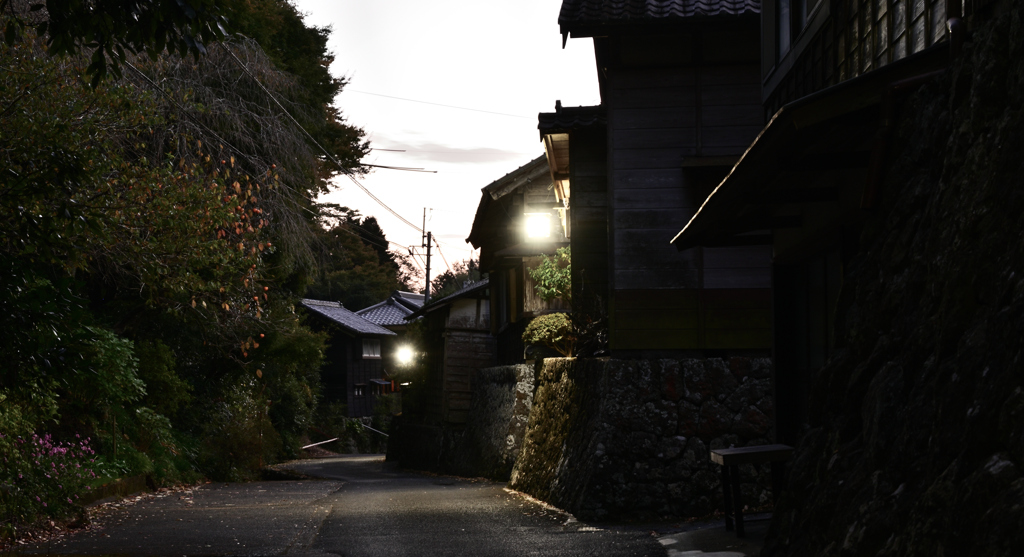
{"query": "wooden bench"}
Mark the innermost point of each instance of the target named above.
(730, 459)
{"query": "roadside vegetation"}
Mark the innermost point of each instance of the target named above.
(583, 330)
(158, 225)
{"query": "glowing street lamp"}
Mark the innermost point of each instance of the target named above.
(405, 355)
(538, 225)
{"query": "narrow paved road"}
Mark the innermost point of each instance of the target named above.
(359, 507)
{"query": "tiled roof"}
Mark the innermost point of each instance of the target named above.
(468, 289)
(346, 318)
(410, 300)
(602, 12)
(388, 312)
(571, 118)
(537, 168)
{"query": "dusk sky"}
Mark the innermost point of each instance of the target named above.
(504, 60)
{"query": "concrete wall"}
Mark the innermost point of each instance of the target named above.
(618, 439)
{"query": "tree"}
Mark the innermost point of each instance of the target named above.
(170, 210)
(456, 278)
(351, 270)
(110, 28)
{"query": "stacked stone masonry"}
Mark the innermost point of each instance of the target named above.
(628, 439)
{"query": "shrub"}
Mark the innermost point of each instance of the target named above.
(42, 477)
(553, 277)
(553, 330)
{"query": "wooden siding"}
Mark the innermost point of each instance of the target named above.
(588, 213)
(344, 367)
(662, 120)
(852, 38)
(360, 372)
(465, 353)
(738, 267)
(692, 319)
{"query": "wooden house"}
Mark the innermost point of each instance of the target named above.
(680, 91)
(391, 314)
(458, 343)
(832, 73)
(520, 219)
(353, 369)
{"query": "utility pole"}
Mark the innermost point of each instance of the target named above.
(426, 291)
(427, 240)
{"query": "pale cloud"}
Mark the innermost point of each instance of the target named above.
(442, 153)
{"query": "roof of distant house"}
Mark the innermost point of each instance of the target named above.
(581, 16)
(394, 310)
(347, 319)
(467, 290)
(409, 299)
(535, 171)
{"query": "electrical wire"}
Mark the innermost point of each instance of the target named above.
(241, 153)
(438, 104)
(405, 168)
(443, 258)
(251, 159)
(326, 153)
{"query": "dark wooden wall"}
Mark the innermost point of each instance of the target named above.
(588, 215)
(681, 110)
(465, 352)
(426, 403)
(344, 367)
(360, 371)
(845, 39)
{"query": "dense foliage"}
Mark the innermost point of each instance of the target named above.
(461, 274)
(553, 280)
(358, 269)
(554, 330)
(553, 277)
(110, 28)
(156, 231)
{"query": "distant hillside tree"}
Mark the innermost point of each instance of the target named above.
(454, 279)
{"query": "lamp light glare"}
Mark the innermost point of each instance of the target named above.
(405, 355)
(538, 225)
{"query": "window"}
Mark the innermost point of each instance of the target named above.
(783, 26)
(371, 349)
(791, 17)
(359, 390)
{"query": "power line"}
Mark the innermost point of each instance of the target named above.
(443, 258)
(203, 126)
(341, 167)
(405, 168)
(223, 141)
(438, 104)
(220, 139)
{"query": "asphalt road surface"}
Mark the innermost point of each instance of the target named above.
(358, 507)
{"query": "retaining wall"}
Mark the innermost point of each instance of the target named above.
(628, 439)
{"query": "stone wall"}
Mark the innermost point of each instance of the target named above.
(618, 439)
(917, 439)
(487, 444)
(502, 399)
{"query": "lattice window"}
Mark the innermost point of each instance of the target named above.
(371, 349)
